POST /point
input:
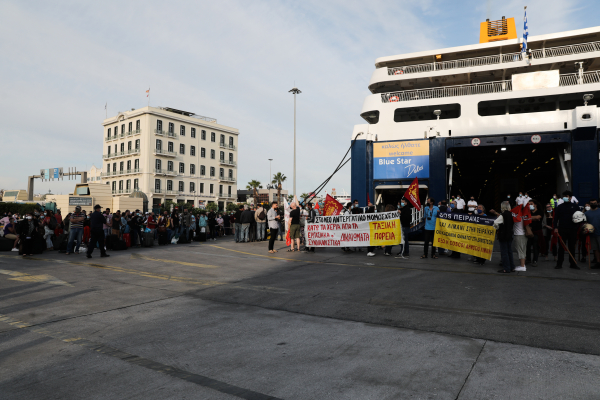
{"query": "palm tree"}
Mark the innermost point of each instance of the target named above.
(253, 185)
(278, 178)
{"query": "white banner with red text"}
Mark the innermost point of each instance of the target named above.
(356, 230)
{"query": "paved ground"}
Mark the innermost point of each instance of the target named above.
(221, 320)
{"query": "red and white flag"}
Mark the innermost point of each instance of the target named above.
(412, 194)
(148, 92)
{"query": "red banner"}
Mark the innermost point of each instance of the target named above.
(517, 213)
(412, 194)
(332, 206)
(526, 212)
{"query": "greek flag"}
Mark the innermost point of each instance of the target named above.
(525, 32)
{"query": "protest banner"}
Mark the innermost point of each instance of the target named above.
(332, 206)
(464, 233)
(412, 194)
(357, 230)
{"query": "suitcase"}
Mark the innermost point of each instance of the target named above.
(148, 239)
(202, 237)
(163, 238)
(62, 238)
(119, 245)
(127, 239)
(6, 244)
(110, 241)
(183, 240)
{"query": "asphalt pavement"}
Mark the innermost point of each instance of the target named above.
(222, 320)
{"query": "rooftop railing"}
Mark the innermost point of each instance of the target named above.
(226, 162)
(496, 59)
(480, 88)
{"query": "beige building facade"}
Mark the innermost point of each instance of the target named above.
(170, 154)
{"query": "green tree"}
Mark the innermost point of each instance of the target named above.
(278, 179)
(212, 206)
(253, 185)
(232, 207)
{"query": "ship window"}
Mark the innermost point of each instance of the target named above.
(425, 113)
(522, 105)
(372, 117)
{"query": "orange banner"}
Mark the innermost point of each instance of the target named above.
(412, 194)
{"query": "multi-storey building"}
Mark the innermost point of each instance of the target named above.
(170, 154)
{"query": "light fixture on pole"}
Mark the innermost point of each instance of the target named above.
(586, 98)
(295, 91)
(270, 176)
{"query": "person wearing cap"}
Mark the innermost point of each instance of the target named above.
(75, 230)
(97, 220)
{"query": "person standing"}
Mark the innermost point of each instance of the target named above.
(535, 243)
(431, 212)
(252, 228)
(116, 224)
(237, 222)
(212, 225)
(566, 229)
(107, 222)
(460, 204)
(75, 230)
(260, 216)
(504, 225)
(186, 223)
(554, 201)
(370, 210)
(28, 233)
(472, 205)
(294, 226)
(273, 218)
(246, 218)
(593, 217)
(312, 214)
(520, 242)
(97, 220)
(405, 219)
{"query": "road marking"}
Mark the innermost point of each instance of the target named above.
(174, 372)
(139, 256)
(20, 276)
(279, 258)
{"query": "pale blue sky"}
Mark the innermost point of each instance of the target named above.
(235, 61)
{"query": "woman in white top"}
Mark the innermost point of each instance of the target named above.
(520, 241)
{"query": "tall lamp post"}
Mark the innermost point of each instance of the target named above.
(295, 91)
(270, 176)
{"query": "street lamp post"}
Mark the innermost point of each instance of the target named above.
(295, 91)
(270, 176)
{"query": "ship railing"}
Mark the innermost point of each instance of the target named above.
(496, 59)
(481, 88)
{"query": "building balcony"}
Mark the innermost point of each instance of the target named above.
(170, 172)
(227, 162)
(115, 155)
(133, 151)
(550, 52)
(158, 191)
(227, 179)
(132, 133)
(225, 195)
(480, 88)
(227, 146)
(166, 153)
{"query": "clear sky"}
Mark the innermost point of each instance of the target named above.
(235, 61)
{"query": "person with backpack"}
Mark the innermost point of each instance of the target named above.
(260, 216)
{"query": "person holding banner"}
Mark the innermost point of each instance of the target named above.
(405, 219)
(504, 226)
(431, 212)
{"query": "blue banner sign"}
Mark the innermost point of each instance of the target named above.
(401, 160)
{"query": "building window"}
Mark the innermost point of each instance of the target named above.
(230, 174)
(212, 154)
(108, 135)
(169, 165)
(181, 188)
(222, 140)
(158, 125)
(158, 144)
(169, 184)
(171, 127)
(193, 133)
(109, 150)
(136, 163)
(213, 137)
(157, 184)
(158, 164)
(212, 188)
(203, 135)
(221, 173)
(137, 125)
(182, 149)
(170, 146)
(229, 191)
(128, 165)
(221, 155)
(181, 168)
(107, 169)
(136, 184)
(121, 165)
(202, 152)
(425, 113)
(192, 187)
(114, 167)
(120, 185)
(220, 189)
(115, 148)
(128, 184)
(230, 157)
(137, 144)
(114, 186)
(130, 126)
(212, 171)
(129, 144)
(122, 129)
(202, 170)
(230, 140)
(201, 187)
(116, 130)
(182, 130)
(192, 169)
(192, 150)
(122, 147)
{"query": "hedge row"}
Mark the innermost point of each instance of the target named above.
(21, 208)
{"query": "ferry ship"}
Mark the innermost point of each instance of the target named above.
(343, 197)
(484, 120)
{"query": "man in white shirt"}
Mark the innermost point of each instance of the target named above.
(460, 204)
(472, 204)
(573, 200)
